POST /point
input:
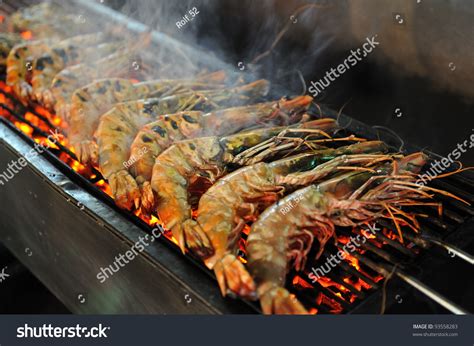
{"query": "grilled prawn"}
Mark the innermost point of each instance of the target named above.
(187, 162)
(44, 59)
(20, 63)
(66, 53)
(278, 238)
(7, 42)
(47, 20)
(91, 101)
(71, 78)
(118, 127)
(27, 16)
(239, 197)
(47, 24)
(33, 18)
(155, 137)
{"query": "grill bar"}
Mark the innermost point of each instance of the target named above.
(453, 189)
(61, 147)
(430, 293)
(452, 249)
(24, 109)
(394, 244)
(427, 237)
(351, 288)
(37, 129)
(360, 275)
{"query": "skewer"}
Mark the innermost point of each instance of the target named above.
(415, 283)
(424, 240)
(458, 252)
(447, 304)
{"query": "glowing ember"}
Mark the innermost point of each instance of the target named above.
(336, 308)
(358, 284)
(367, 234)
(352, 261)
(246, 230)
(5, 87)
(243, 260)
(389, 234)
(104, 187)
(339, 290)
(77, 166)
(56, 121)
(343, 239)
(173, 239)
(26, 129)
(327, 282)
(27, 35)
(153, 220)
(298, 281)
(378, 278)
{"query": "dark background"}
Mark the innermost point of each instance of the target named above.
(410, 70)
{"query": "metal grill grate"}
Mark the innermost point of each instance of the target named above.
(343, 289)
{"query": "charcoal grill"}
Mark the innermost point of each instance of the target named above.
(64, 229)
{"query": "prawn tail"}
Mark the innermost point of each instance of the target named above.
(277, 300)
(195, 239)
(233, 278)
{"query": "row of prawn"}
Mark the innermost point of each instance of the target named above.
(169, 146)
(48, 68)
(236, 179)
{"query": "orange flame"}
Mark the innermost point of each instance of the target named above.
(27, 35)
(298, 281)
(26, 129)
(353, 261)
